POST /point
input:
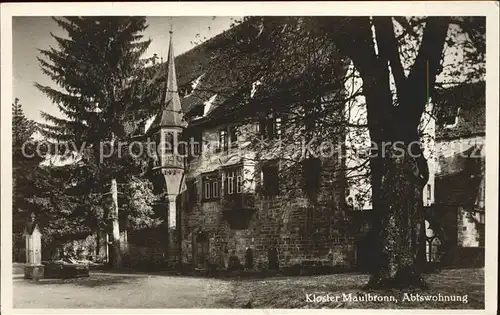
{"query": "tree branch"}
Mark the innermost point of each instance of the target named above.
(408, 28)
(388, 46)
(423, 72)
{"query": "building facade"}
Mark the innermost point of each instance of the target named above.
(236, 209)
(456, 215)
(228, 205)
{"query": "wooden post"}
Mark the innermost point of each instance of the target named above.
(117, 257)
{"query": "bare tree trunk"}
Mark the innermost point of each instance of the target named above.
(117, 257)
(398, 225)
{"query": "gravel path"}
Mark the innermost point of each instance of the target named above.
(103, 290)
(120, 290)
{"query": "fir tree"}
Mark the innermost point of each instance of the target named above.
(103, 86)
(24, 164)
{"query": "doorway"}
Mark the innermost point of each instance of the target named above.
(201, 250)
(272, 255)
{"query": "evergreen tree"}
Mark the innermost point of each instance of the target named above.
(40, 190)
(24, 164)
(103, 87)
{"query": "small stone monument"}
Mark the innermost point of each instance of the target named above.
(33, 268)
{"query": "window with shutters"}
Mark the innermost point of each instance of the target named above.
(210, 186)
(233, 180)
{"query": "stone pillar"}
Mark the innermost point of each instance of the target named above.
(33, 268)
(173, 251)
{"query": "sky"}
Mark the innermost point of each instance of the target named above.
(33, 33)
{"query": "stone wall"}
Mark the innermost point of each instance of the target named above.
(92, 247)
(271, 226)
(298, 228)
(470, 228)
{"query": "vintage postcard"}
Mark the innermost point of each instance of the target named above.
(222, 157)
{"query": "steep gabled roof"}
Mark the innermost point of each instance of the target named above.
(189, 67)
(171, 113)
(223, 63)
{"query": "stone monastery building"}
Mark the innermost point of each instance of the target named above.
(226, 199)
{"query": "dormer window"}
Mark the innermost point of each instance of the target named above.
(201, 110)
(208, 105)
(254, 88)
(449, 116)
(189, 89)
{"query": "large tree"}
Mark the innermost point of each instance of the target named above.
(24, 164)
(41, 190)
(103, 89)
(394, 116)
(300, 64)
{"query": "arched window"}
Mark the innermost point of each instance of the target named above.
(432, 244)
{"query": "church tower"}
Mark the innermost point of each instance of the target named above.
(168, 169)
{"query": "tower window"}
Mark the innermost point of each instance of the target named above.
(168, 145)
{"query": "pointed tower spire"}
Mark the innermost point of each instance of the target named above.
(169, 164)
(171, 114)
